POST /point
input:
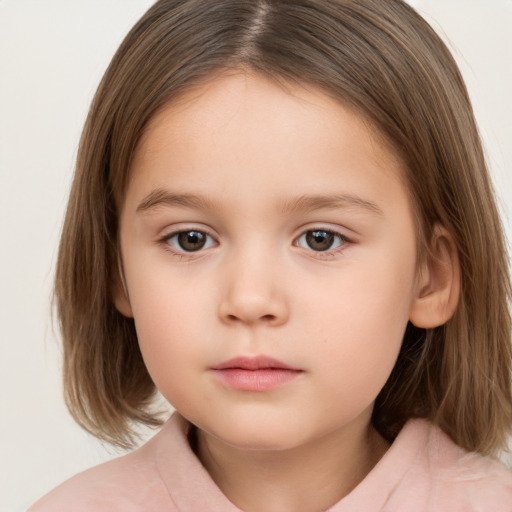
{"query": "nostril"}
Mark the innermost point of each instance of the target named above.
(264, 318)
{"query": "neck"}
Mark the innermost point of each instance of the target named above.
(308, 478)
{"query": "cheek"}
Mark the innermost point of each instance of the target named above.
(361, 321)
(170, 319)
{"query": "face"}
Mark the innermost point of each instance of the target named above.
(269, 251)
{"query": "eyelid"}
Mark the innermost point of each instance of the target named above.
(336, 229)
(182, 227)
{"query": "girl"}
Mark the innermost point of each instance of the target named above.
(282, 220)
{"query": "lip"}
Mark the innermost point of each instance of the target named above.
(260, 373)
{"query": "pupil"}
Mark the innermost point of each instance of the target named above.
(319, 240)
(191, 240)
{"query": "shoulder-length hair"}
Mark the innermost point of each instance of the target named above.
(381, 58)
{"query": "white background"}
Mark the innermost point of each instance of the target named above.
(52, 55)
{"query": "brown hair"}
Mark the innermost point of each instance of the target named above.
(380, 57)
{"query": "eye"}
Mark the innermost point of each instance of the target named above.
(321, 240)
(190, 241)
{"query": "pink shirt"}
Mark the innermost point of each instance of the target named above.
(423, 471)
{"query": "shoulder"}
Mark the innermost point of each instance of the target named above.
(481, 482)
(452, 479)
(130, 483)
(165, 474)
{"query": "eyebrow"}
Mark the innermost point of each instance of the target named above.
(161, 197)
(304, 203)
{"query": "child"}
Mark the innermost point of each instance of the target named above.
(282, 220)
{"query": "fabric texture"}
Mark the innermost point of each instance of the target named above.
(423, 471)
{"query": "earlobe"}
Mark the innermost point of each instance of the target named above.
(122, 302)
(120, 293)
(438, 286)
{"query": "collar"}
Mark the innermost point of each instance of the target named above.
(192, 489)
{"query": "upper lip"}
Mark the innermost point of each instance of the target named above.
(253, 363)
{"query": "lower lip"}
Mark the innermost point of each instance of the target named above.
(264, 379)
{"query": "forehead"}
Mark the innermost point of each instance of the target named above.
(242, 124)
(225, 93)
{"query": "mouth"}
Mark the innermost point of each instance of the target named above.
(260, 373)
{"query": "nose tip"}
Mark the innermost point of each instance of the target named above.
(253, 302)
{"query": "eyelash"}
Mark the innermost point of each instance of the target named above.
(342, 241)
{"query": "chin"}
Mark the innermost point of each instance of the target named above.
(258, 441)
(260, 434)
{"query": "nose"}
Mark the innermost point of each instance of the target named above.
(253, 293)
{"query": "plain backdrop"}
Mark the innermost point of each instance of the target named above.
(52, 56)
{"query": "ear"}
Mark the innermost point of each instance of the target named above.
(438, 285)
(120, 293)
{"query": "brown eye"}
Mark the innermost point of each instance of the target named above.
(321, 240)
(190, 241)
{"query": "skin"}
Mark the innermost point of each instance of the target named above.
(250, 149)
